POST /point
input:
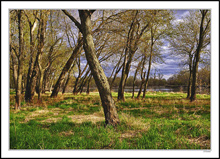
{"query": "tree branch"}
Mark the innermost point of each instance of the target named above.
(73, 19)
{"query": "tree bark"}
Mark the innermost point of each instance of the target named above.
(190, 78)
(41, 41)
(88, 85)
(111, 116)
(31, 64)
(67, 79)
(142, 75)
(20, 62)
(135, 75)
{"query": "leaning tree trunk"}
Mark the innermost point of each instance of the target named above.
(67, 80)
(88, 85)
(20, 62)
(83, 83)
(66, 83)
(111, 116)
(66, 68)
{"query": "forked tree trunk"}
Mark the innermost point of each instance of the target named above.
(31, 63)
(197, 57)
(111, 116)
(132, 46)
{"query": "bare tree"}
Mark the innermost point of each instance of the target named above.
(203, 31)
(111, 116)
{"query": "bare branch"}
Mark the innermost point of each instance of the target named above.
(73, 19)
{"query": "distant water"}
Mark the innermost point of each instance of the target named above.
(200, 90)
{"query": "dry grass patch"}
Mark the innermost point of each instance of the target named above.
(51, 120)
(203, 141)
(85, 118)
(94, 118)
(66, 133)
(39, 113)
(131, 121)
(130, 134)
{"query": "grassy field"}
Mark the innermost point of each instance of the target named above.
(160, 121)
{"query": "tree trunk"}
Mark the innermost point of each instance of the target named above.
(20, 62)
(23, 85)
(111, 116)
(41, 41)
(197, 58)
(66, 83)
(66, 68)
(83, 83)
(88, 85)
(135, 75)
(116, 73)
(141, 86)
(130, 50)
(190, 78)
(147, 79)
(125, 72)
(142, 75)
(14, 68)
(149, 66)
(31, 64)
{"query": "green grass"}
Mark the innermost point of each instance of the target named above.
(160, 121)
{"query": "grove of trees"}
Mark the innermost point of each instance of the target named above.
(56, 49)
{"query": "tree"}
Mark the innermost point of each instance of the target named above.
(111, 116)
(184, 42)
(203, 33)
(157, 32)
(66, 68)
(32, 28)
(134, 35)
(20, 60)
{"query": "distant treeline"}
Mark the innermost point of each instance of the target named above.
(179, 79)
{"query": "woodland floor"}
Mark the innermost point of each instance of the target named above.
(160, 121)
